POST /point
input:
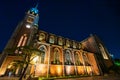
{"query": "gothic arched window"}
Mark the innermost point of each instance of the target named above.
(60, 41)
(51, 39)
(67, 57)
(22, 40)
(42, 37)
(77, 60)
(79, 45)
(74, 44)
(42, 55)
(56, 56)
(67, 43)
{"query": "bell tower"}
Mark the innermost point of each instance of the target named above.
(22, 35)
(25, 29)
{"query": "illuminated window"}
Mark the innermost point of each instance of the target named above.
(103, 52)
(51, 39)
(68, 57)
(67, 43)
(79, 45)
(74, 44)
(77, 60)
(22, 40)
(56, 55)
(42, 54)
(86, 61)
(42, 37)
(60, 41)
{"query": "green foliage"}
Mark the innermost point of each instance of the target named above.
(117, 63)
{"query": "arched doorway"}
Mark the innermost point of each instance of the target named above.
(11, 69)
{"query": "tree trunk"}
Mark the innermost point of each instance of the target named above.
(23, 73)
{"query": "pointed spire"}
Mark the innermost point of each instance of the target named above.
(36, 5)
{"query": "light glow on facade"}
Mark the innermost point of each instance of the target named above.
(58, 57)
(28, 26)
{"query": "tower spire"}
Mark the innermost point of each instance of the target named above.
(34, 10)
(36, 5)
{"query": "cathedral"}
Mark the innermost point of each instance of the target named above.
(60, 56)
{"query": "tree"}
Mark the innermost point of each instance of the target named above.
(27, 53)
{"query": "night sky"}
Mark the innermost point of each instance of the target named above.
(74, 19)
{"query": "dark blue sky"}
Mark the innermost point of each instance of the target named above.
(74, 19)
